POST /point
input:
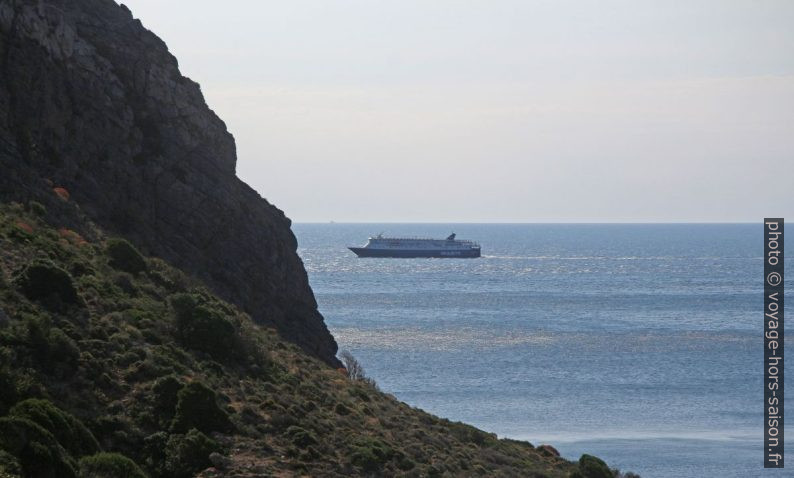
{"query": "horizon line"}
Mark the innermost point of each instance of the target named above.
(534, 222)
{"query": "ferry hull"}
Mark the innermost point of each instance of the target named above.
(397, 253)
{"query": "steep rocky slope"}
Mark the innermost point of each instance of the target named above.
(92, 102)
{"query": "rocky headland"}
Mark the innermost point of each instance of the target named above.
(155, 318)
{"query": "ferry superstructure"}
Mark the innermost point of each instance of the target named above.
(407, 247)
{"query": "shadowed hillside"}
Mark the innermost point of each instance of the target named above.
(114, 364)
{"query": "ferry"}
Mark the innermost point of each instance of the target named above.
(405, 247)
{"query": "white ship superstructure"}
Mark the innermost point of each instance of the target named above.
(380, 246)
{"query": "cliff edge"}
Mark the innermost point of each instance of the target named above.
(92, 103)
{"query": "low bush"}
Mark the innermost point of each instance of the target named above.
(404, 463)
(51, 347)
(281, 421)
(187, 454)
(66, 428)
(109, 465)
(469, 434)
(197, 407)
(37, 451)
(592, 467)
(154, 453)
(37, 208)
(124, 256)
(300, 437)
(166, 390)
(9, 465)
(359, 393)
(203, 328)
(44, 282)
(125, 282)
(167, 277)
(8, 389)
(370, 454)
(79, 269)
(63, 351)
(146, 370)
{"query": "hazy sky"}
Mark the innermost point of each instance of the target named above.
(499, 111)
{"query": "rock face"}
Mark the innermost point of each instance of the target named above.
(92, 102)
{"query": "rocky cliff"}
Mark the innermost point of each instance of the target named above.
(93, 103)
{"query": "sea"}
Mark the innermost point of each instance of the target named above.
(638, 343)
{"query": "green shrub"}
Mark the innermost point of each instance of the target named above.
(80, 269)
(592, 467)
(62, 349)
(197, 407)
(124, 256)
(167, 277)
(109, 465)
(126, 359)
(370, 454)
(282, 421)
(433, 472)
(8, 389)
(469, 434)
(203, 328)
(359, 393)
(37, 451)
(300, 437)
(37, 208)
(154, 452)
(171, 356)
(51, 347)
(67, 429)
(36, 331)
(166, 390)
(44, 282)
(125, 282)
(185, 455)
(404, 463)
(147, 370)
(9, 465)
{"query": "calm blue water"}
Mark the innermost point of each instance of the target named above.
(638, 343)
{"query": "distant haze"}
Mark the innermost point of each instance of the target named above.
(499, 111)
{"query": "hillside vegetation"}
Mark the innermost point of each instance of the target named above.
(117, 365)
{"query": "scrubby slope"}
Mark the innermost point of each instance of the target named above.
(105, 354)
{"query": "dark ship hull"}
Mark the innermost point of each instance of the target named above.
(407, 253)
